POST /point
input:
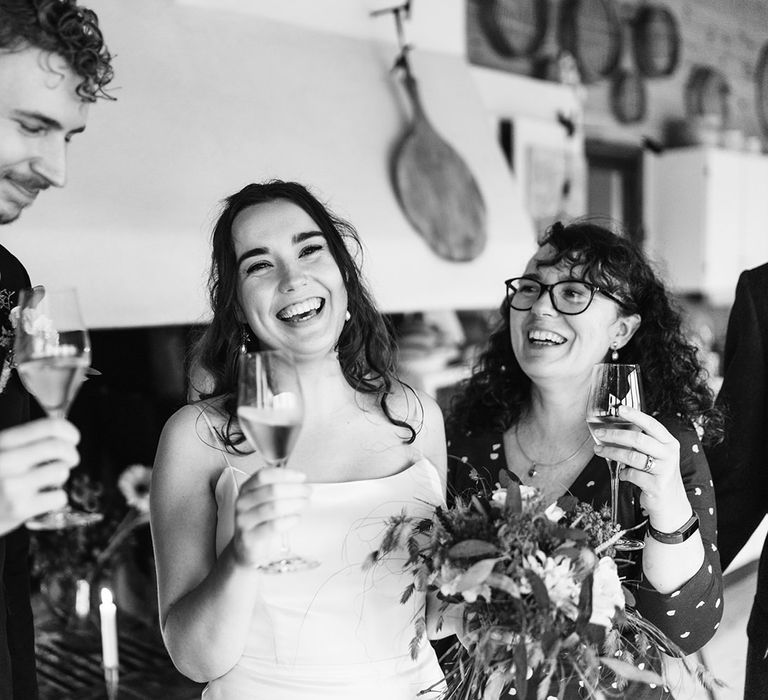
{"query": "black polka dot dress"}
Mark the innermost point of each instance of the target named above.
(690, 615)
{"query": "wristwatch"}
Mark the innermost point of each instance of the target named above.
(680, 535)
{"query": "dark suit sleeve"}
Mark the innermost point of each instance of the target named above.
(738, 464)
(21, 636)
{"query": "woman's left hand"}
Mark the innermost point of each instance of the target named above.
(652, 462)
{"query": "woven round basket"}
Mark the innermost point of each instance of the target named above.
(656, 39)
(514, 28)
(591, 31)
(761, 88)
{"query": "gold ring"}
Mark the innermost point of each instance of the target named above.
(649, 462)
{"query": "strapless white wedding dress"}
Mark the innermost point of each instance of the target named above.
(335, 632)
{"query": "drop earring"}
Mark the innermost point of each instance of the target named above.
(347, 316)
(614, 351)
(245, 338)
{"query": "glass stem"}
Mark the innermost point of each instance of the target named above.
(285, 545)
(285, 540)
(614, 468)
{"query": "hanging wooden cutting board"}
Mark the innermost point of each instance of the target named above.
(436, 190)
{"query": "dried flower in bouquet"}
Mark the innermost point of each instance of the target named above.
(544, 610)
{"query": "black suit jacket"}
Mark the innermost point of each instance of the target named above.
(740, 464)
(17, 643)
(17, 635)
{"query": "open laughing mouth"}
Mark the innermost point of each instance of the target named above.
(301, 311)
(543, 338)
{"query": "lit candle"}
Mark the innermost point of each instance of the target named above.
(82, 599)
(108, 615)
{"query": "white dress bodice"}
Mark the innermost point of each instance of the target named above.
(336, 631)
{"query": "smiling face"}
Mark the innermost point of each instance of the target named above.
(552, 346)
(290, 290)
(40, 111)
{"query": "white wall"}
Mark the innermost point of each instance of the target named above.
(210, 100)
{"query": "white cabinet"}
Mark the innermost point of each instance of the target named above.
(706, 215)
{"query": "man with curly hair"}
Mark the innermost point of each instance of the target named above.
(53, 65)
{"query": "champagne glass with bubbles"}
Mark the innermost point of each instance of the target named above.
(270, 409)
(613, 385)
(52, 352)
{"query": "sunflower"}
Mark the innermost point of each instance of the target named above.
(134, 485)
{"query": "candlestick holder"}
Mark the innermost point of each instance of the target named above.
(112, 681)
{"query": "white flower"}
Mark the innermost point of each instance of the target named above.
(40, 332)
(557, 574)
(554, 513)
(499, 495)
(527, 493)
(481, 591)
(36, 323)
(134, 485)
(13, 317)
(607, 595)
(456, 581)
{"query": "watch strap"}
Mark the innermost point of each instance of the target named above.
(680, 535)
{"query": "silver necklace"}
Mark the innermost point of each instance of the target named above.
(533, 471)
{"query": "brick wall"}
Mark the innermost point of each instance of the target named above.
(726, 34)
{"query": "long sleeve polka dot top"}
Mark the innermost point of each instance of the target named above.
(690, 615)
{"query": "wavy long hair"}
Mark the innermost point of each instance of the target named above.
(65, 28)
(366, 345)
(498, 392)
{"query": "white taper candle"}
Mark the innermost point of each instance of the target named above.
(82, 599)
(108, 615)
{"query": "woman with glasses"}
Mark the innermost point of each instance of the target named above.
(589, 296)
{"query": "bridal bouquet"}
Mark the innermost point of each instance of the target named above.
(543, 606)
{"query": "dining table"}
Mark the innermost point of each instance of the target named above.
(69, 663)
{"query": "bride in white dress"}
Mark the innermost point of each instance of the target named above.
(282, 277)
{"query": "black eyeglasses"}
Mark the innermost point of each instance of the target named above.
(569, 297)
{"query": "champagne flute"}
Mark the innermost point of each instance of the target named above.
(52, 352)
(270, 409)
(613, 385)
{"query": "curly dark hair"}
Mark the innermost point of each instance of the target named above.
(498, 392)
(64, 28)
(366, 346)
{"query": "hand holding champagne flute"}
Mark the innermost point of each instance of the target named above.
(614, 385)
(52, 352)
(270, 411)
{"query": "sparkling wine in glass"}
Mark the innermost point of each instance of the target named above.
(270, 409)
(613, 385)
(52, 352)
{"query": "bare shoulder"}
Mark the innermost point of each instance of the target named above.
(188, 437)
(432, 432)
(414, 406)
(432, 413)
(423, 413)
